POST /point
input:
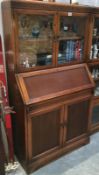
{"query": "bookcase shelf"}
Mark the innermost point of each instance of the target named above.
(70, 38)
(94, 62)
(70, 62)
(31, 40)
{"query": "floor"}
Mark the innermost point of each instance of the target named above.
(83, 161)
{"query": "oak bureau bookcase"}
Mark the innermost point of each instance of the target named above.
(48, 52)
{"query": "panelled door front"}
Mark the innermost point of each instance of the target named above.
(45, 132)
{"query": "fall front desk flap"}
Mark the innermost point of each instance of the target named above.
(43, 85)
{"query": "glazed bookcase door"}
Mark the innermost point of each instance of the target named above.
(72, 38)
(94, 53)
(34, 36)
(45, 132)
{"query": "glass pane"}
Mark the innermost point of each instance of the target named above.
(95, 115)
(94, 53)
(96, 91)
(35, 40)
(71, 45)
(95, 75)
(95, 72)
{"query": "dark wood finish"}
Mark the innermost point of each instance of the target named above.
(77, 120)
(54, 111)
(46, 132)
(49, 100)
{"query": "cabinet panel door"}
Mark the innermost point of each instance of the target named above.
(77, 122)
(44, 132)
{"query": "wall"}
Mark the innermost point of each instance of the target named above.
(89, 2)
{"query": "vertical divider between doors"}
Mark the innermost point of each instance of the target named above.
(56, 36)
(30, 149)
(61, 126)
(65, 123)
(88, 36)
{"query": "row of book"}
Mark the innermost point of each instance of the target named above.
(73, 50)
(70, 50)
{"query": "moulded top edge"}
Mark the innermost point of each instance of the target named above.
(50, 5)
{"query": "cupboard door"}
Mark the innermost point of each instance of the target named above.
(34, 36)
(95, 116)
(77, 120)
(44, 132)
(94, 50)
(72, 38)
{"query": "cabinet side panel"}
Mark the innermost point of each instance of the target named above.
(18, 133)
(8, 36)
